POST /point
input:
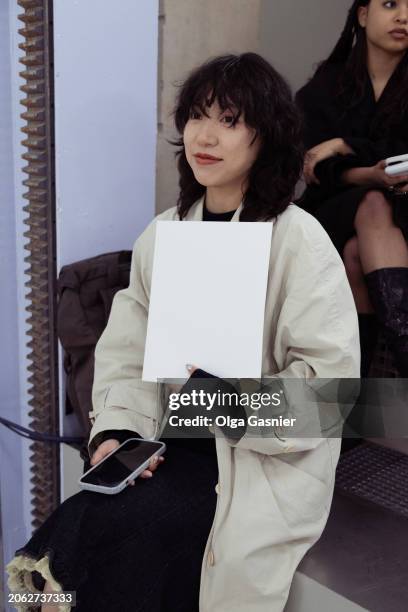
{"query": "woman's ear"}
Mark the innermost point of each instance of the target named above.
(362, 16)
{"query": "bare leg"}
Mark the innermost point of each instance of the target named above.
(381, 243)
(355, 276)
(367, 321)
(383, 254)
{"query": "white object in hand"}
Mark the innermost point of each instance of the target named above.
(397, 165)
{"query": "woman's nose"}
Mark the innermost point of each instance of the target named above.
(207, 135)
(402, 16)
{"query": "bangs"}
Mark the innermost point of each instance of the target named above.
(216, 91)
(224, 81)
(249, 88)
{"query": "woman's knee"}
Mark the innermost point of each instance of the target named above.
(352, 262)
(374, 212)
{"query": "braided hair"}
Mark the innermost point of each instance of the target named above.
(351, 51)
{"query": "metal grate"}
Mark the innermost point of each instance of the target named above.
(38, 140)
(377, 474)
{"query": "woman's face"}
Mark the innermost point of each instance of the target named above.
(220, 154)
(386, 24)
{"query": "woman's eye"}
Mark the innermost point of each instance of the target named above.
(194, 114)
(390, 4)
(228, 119)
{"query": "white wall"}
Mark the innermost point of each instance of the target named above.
(105, 57)
(105, 121)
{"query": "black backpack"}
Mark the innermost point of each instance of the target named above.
(86, 289)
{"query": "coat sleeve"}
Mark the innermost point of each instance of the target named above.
(370, 152)
(318, 122)
(320, 117)
(120, 399)
(367, 153)
(316, 343)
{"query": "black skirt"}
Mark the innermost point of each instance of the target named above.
(336, 213)
(139, 550)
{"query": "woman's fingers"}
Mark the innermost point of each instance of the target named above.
(314, 179)
(395, 181)
(191, 368)
(310, 176)
(153, 465)
(391, 181)
(155, 462)
(308, 169)
(146, 474)
(104, 449)
(403, 188)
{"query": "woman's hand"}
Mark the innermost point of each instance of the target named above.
(375, 176)
(191, 368)
(322, 151)
(109, 445)
(402, 189)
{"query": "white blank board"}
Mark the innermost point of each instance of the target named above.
(207, 299)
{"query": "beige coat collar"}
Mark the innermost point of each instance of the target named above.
(196, 211)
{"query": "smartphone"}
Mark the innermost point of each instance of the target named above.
(397, 166)
(123, 464)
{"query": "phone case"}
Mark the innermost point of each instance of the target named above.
(397, 169)
(118, 488)
(396, 159)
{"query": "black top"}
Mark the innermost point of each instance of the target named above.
(210, 216)
(205, 445)
(325, 118)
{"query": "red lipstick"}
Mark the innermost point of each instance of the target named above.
(203, 159)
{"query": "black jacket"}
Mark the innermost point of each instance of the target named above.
(325, 118)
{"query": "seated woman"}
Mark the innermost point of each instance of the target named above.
(221, 525)
(356, 115)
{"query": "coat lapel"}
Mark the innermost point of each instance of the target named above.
(196, 211)
(237, 213)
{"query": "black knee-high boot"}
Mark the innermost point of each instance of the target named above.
(388, 291)
(368, 327)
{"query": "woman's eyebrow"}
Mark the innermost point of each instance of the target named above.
(232, 108)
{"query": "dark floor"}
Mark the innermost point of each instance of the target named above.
(363, 552)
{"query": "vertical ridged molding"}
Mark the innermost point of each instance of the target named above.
(39, 168)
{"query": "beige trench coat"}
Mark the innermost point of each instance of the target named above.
(274, 494)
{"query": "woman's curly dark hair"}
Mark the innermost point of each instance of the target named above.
(250, 84)
(351, 52)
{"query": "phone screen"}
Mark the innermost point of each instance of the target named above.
(121, 463)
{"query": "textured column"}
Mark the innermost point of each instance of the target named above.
(38, 103)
